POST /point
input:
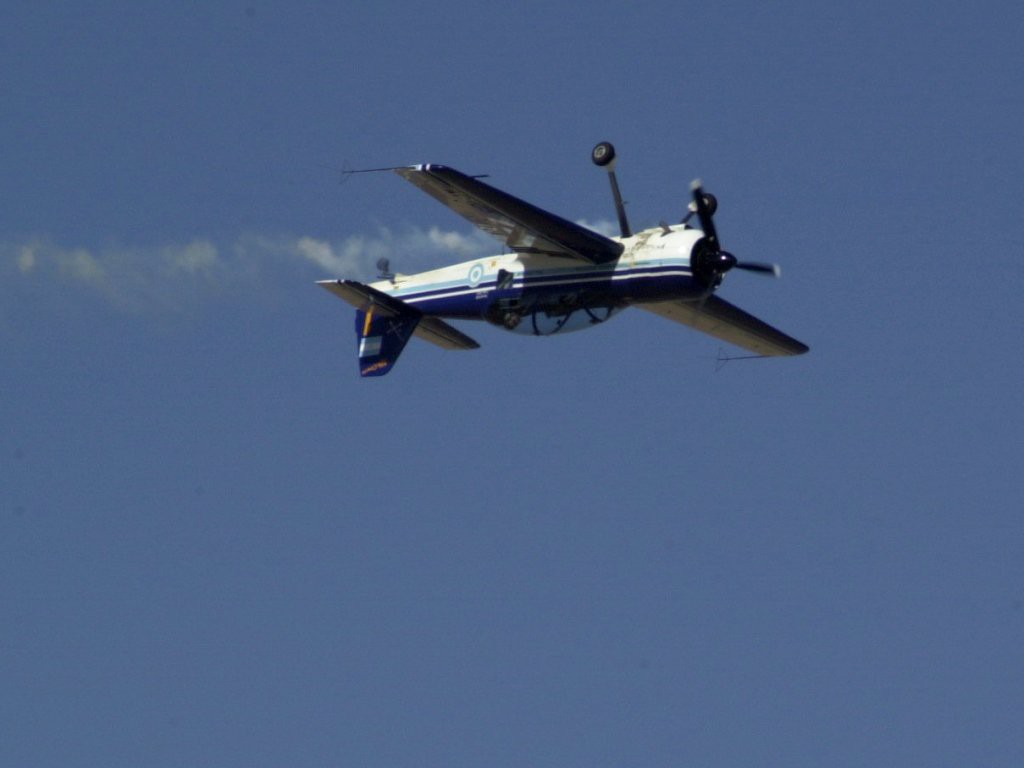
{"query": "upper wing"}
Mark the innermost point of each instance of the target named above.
(521, 226)
(725, 321)
(431, 329)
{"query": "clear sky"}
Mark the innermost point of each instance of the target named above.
(220, 547)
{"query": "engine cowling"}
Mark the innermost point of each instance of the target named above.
(709, 262)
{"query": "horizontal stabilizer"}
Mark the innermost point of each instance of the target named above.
(431, 329)
(438, 332)
(360, 296)
(717, 317)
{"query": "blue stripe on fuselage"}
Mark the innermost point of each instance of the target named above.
(649, 283)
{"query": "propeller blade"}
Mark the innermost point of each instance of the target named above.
(713, 262)
(759, 266)
(704, 214)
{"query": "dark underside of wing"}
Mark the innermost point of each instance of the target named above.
(521, 226)
(717, 317)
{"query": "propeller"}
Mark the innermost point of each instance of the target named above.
(710, 262)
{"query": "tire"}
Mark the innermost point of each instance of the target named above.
(603, 154)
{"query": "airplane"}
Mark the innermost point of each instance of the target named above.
(558, 277)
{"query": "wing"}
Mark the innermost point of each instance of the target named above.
(431, 329)
(521, 226)
(725, 321)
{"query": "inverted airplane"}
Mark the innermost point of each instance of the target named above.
(558, 277)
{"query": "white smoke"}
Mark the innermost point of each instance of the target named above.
(166, 276)
(602, 227)
(127, 277)
(410, 250)
(170, 276)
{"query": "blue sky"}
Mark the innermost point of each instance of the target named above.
(219, 546)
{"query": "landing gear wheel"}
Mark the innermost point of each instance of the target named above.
(603, 154)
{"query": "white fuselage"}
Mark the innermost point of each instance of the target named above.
(555, 292)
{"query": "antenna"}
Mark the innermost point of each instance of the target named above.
(384, 269)
(604, 157)
(724, 359)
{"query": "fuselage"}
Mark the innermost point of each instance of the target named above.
(540, 294)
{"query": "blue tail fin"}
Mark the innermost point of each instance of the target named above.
(381, 337)
(384, 325)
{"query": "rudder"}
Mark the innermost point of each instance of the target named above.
(381, 338)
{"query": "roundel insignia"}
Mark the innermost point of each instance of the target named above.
(476, 274)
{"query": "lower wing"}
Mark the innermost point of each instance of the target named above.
(717, 317)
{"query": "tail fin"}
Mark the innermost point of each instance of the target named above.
(381, 337)
(384, 325)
